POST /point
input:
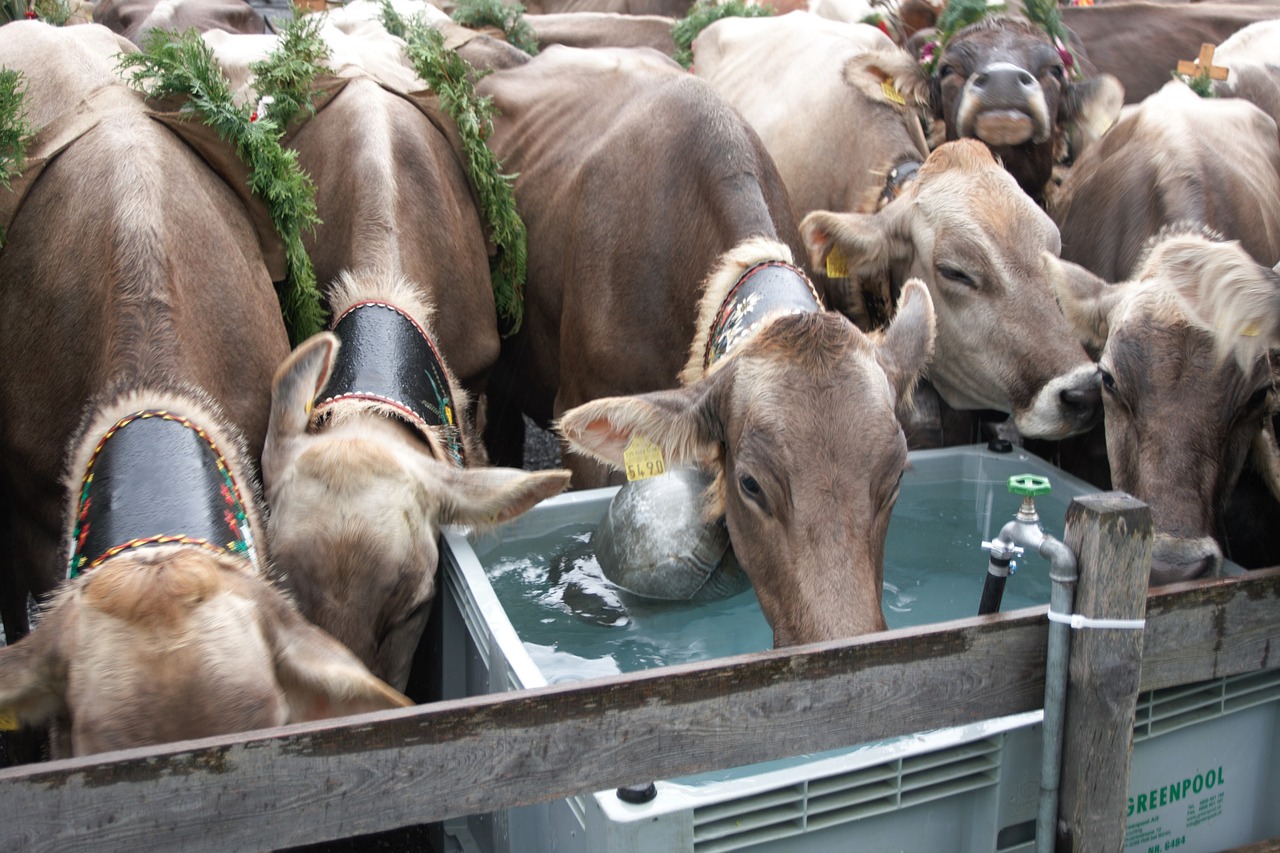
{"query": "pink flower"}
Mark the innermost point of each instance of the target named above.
(1067, 59)
(927, 52)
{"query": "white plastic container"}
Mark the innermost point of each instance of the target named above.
(1204, 767)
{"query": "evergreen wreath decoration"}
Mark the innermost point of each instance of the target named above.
(182, 64)
(56, 12)
(287, 73)
(957, 15)
(701, 15)
(450, 78)
(495, 13)
(15, 130)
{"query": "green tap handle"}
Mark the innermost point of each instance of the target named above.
(1029, 485)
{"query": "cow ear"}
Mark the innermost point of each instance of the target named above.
(33, 674)
(1085, 299)
(869, 72)
(684, 422)
(320, 677)
(868, 243)
(907, 345)
(480, 497)
(1092, 105)
(293, 392)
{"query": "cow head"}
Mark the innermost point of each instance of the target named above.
(798, 426)
(1004, 81)
(172, 635)
(966, 230)
(1187, 401)
(357, 501)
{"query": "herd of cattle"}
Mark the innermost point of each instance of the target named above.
(1068, 237)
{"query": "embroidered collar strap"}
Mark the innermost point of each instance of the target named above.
(157, 478)
(762, 292)
(388, 358)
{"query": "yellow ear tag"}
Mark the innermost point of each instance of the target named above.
(643, 459)
(8, 720)
(1251, 331)
(837, 264)
(891, 93)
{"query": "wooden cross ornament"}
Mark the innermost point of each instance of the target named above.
(1202, 64)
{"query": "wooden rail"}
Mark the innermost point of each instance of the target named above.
(307, 783)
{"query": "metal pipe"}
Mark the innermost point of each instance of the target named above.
(1024, 532)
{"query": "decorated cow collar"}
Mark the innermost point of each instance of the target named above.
(762, 292)
(157, 478)
(387, 358)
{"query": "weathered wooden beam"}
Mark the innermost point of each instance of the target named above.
(1207, 629)
(1111, 535)
(307, 783)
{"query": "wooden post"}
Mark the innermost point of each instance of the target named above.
(1111, 535)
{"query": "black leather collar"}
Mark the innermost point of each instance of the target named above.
(767, 288)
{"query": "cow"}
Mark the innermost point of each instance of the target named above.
(1252, 58)
(980, 244)
(360, 488)
(1174, 158)
(1181, 418)
(134, 19)
(166, 305)
(633, 178)
(779, 72)
(368, 455)
(792, 409)
(603, 29)
(1004, 81)
(1141, 44)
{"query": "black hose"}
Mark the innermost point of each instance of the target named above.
(993, 589)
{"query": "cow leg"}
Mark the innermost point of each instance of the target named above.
(503, 429)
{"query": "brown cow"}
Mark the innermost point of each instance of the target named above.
(358, 499)
(979, 243)
(167, 289)
(603, 29)
(634, 177)
(792, 409)
(1180, 418)
(168, 629)
(1003, 81)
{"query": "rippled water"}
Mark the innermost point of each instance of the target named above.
(576, 624)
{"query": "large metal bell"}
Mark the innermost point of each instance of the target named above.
(653, 541)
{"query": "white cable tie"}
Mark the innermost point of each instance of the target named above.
(1075, 620)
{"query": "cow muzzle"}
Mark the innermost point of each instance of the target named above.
(1003, 104)
(1176, 558)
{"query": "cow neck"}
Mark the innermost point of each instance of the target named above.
(764, 291)
(157, 478)
(897, 179)
(387, 358)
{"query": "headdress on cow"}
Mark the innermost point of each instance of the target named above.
(1045, 14)
(509, 18)
(957, 15)
(702, 14)
(15, 131)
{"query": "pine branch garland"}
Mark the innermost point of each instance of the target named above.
(495, 13)
(56, 12)
(15, 130)
(172, 64)
(701, 15)
(450, 76)
(287, 74)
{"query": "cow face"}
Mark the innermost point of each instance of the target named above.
(1182, 414)
(798, 425)
(357, 508)
(1004, 82)
(978, 242)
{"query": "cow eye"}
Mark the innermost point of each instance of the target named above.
(1108, 381)
(750, 487)
(945, 71)
(1058, 72)
(1257, 400)
(956, 275)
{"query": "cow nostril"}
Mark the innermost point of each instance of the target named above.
(981, 79)
(1026, 79)
(1086, 401)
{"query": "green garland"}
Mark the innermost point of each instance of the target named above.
(450, 76)
(1201, 84)
(957, 15)
(701, 15)
(15, 130)
(1045, 14)
(56, 12)
(172, 64)
(287, 74)
(495, 13)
